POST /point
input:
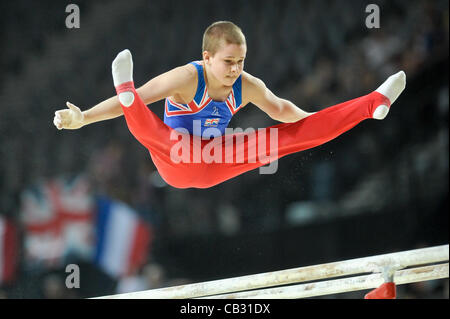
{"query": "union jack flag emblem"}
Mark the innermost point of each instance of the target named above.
(211, 122)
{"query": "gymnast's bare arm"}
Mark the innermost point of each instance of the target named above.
(255, 91)
(179, 83)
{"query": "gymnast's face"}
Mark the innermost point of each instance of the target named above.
(228, 62)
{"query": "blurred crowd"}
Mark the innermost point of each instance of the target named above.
(315, 53)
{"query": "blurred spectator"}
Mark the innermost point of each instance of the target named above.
(151, 276)
(53, 287)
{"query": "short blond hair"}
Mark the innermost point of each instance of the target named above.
(221, 31)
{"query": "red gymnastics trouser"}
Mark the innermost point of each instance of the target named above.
(309, 132)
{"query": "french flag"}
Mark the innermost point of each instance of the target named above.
(123, 238)
(8, 250)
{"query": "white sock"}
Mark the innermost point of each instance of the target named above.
(122, 71)
(391, 88)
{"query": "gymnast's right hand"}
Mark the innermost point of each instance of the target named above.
(70, 119)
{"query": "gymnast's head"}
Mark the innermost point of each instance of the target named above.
(224, 50)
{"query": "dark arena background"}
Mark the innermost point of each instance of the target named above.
(380, 188)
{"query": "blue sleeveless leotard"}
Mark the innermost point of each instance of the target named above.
(203, 112)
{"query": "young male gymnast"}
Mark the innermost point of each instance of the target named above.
(205, 94)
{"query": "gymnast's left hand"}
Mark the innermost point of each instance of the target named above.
(70, 119)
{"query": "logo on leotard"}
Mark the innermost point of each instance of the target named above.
(215, 111)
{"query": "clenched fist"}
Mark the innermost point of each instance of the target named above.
(69, 119)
